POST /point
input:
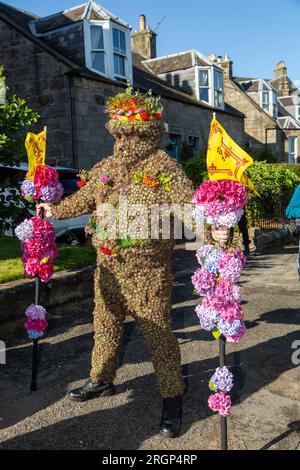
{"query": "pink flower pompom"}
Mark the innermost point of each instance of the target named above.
(220, 197)
(45, 271)
(31, 266)
(225, 291)
(230, 267)
(43, 176)
(39, 325)
(203, 281)
(220, 402)
(231, 311)
(238, 337)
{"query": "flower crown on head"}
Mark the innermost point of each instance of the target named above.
(135, 106)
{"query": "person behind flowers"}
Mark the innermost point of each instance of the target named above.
(293, 213)
(133, 275)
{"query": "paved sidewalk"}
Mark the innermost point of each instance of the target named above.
(266, 413)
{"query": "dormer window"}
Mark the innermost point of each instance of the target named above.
(269, 102)
(107, 49)
(298, 113)
(97, 48)
(211, 86)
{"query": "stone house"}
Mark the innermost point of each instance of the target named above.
(66, 66)
(262, 131)
(271, 108)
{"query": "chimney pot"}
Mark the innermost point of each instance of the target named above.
(142, 22)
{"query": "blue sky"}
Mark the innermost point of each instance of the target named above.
(255, 34)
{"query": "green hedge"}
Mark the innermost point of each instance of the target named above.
(275, 184)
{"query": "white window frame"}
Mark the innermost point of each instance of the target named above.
(208, 69)
(108, 26)
(119, 53)
(264, 92)
(215, 72)
(293, 156)
(211, 85)
(88, 44)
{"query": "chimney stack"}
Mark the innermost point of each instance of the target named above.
(142, 23)
(225, 63)
(280, 70)
(143, 42)
(280, 74)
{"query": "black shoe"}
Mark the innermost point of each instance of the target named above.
(171, 419)
(91, 390)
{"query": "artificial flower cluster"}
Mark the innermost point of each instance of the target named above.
(134, 106)
(84, 176)
(220, 202)
(221, 383)
(35, 322)
(220, 311)
(37, 238)
(45, 186)
(162, 180)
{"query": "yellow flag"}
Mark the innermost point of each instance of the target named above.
(36, 151)
(225, 158)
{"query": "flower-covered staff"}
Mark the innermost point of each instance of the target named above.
(37, 235)
(220, 203)
(133, 272)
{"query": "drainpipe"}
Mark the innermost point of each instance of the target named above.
(70, 118)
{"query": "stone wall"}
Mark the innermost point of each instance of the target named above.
(34, 74)
(70, 40)
(259, 127)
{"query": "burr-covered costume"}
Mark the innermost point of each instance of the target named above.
(133, 276)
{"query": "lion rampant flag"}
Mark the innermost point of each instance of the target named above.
(36, 151)
(225, 158)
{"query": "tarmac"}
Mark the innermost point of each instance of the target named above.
(265, 364)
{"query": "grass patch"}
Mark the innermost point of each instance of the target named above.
(11, 266)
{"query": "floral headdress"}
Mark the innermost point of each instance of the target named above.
(134, 106)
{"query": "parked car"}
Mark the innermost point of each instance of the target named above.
(68, 229)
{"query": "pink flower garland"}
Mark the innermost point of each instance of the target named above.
(221, 203)
(37, 238)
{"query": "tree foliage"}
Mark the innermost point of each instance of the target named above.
(15, 117)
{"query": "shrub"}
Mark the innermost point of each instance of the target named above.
(195, 169)
(275, 183)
